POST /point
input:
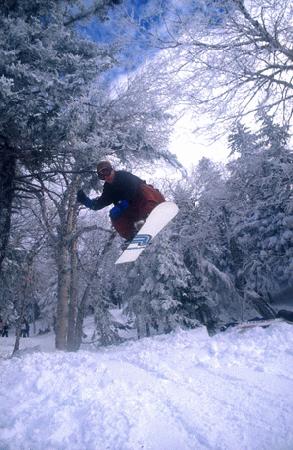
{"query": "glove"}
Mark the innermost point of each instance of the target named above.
(84, 200)
(115, 212)
(123, 204)
(81, 197)
(118, 209)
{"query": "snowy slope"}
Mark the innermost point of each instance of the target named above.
(176, 392)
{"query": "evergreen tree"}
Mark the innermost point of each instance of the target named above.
(159, 291)
(261, 209)
(44, 65)
(205, 237)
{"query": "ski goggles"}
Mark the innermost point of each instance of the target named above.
(103, 173)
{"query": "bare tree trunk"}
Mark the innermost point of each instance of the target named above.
(69, 317)
(80, 317)
(83, 303)
(7, 178)
(34, 317)
(139, 326)
(67, 270)
(17, 333)
(26, 290)
(20, 308)
(73, 304)
(64, 282)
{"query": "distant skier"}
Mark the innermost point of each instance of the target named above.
(5, 330)
(25, 329)
(133, 199)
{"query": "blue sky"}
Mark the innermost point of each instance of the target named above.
(145, 17)
(133, 38)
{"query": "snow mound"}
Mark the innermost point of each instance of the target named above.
(177, 392)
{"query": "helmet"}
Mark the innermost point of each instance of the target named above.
(104, 165)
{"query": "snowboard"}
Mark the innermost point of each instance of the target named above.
(258, 323)
(160, 216)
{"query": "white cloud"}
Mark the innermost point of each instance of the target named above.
(190, 146)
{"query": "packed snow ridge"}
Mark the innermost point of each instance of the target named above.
(176, 392)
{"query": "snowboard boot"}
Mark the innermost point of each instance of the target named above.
(139, 224)
(137, 227)
(125, 244)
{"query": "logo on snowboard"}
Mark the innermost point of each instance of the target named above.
(140, 240)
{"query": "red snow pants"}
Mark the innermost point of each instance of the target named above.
(145, 201)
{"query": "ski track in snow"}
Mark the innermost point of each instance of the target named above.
(177, 392)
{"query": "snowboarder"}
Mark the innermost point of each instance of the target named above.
(133, 199)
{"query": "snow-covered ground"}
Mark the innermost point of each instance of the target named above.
(176, 392)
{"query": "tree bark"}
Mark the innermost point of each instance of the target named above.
(24, 294)
(80, 318)
(67, 270)
(64, 272)
(17, 336)
(73, 304)
(7, 179)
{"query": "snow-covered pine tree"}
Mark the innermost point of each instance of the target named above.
(45, 63)
(260, 205)
(205, 241)
(159, 288)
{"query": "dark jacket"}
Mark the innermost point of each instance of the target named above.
(125, 186)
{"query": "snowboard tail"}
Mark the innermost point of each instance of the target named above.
(258, 323)
(263, 323)
(281, 316)
(160, 216)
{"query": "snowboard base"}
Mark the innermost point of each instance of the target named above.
(160, 216)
